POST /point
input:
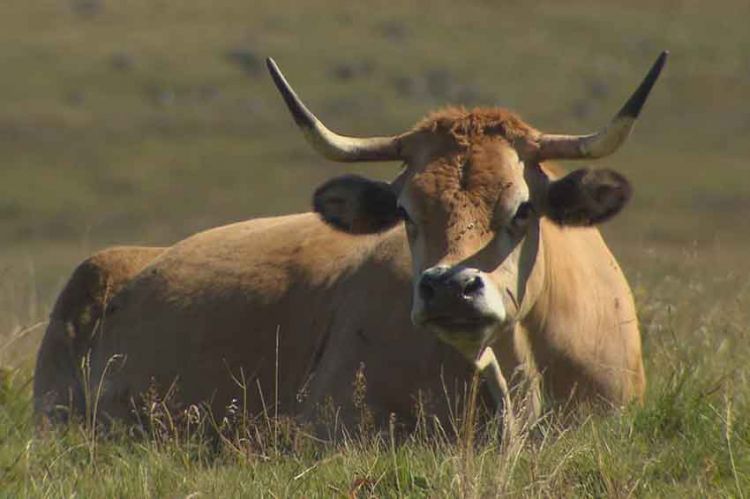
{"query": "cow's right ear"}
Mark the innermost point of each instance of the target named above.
(587, 197)
(357, 205)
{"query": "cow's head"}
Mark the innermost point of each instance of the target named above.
(471, 195)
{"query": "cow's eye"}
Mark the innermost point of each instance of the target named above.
(523, 214)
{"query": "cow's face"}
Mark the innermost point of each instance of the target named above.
(473, 233)
(471, 196)
(471, 204)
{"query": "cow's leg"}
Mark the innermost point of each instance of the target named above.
(74, 322)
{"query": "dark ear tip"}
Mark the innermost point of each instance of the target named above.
(609, 182)
(317, 203)
(356, 205)
(606, 175)
(612, 193)
(587, 197)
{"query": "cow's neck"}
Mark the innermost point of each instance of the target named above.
(566, 312)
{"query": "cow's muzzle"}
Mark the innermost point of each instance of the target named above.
(456, 299)
(461, 304)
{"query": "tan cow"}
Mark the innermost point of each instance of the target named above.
(496, 250)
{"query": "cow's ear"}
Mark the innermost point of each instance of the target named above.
(587, 197)
(357, 205)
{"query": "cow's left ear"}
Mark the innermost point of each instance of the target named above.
(357, 205)
(587, 197)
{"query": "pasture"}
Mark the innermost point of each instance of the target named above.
(142, 122)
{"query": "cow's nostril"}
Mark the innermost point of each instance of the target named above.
(426, 291)
(474, 286)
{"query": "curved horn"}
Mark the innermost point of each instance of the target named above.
(330, 144)
(611, 137)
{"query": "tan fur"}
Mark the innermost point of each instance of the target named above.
(463, 123)
(564, 288)
(76, 317)
(210, 308)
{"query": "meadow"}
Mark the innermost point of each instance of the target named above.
(144, 121)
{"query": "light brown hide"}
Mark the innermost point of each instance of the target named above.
(573, 309)
(209, 308)
(213, 303)
(583, 327)
(75, 322)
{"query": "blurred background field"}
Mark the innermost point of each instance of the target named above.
(143, 121)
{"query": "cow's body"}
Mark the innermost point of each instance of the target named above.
(476, 242)
(209, 308)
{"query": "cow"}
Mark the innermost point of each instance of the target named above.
(478, 242)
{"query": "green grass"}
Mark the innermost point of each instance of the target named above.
(690, 439)
(132, 124)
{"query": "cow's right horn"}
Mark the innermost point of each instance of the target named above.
(330, 144)
(611, 137)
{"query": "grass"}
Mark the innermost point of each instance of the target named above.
(690, 438)
(682, 445)
(143, 122)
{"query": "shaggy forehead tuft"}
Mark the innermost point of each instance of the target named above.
(463, 123)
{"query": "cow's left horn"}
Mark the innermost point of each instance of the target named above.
(330, 144)
(611, 137)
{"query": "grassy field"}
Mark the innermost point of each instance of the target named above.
(147, 120)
